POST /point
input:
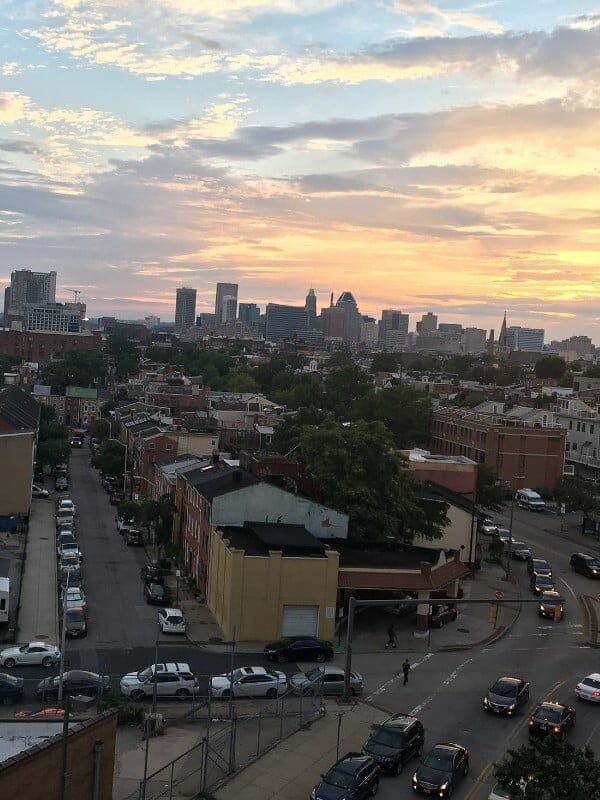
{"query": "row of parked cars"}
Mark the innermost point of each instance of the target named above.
(70, 566)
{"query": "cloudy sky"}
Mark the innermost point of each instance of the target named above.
(425, 155)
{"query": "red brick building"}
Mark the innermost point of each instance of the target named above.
(43, 347)
(533, 452)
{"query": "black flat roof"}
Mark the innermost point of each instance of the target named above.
(257, 538)
(390, 555)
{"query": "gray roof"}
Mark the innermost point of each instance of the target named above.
(218, 479)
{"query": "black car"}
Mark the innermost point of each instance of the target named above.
(75, 623)
(552, 605)
(441, 769)
(74, 682)
(156, 594)
(551, 717)
(11, 688)
(520, 551)
(539, 566)
(506, 696)
(299, 648)
(585, 564)
(542, 583)
(134, 538)
(152, 573)
(441, 614)
(353, 777)
(395, 742)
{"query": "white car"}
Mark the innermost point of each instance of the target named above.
(498, 793)
(75, 597)
(66, 505)
(33, 653)
(70, 549)
(38, 491)
(489, 527)
(171, 620)
(249, 682)
(589, 688)
(171, 680)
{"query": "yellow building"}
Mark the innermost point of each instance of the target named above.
(271, 580)
(19, 420)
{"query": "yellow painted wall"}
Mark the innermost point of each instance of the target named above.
(16, 471)
(249, 592)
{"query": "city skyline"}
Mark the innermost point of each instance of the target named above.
(426, 156)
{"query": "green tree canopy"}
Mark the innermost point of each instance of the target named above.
(550, 770)
(489, 488)
(100, 429)
(344, 386)
(550, 367)
(592, 372)
(125, 354)
(110, 458)
(241, 381)
(386, 362)
(86, 368)
(577, 494)
(52, 452)
(405, 411)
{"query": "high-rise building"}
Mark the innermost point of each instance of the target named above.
(395, 341)
(392, 321)
(450, 327)
(474, 341)
(343, 320)
(6, 305)
(226, 302)
(369, 331)
(205, 320)
(311, 306)
(53, 317)
(185, 309)
(427, 323)
(518, 338)
(284, 322)
(31, 287)
(249, 313)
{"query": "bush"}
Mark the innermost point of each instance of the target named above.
(128, 713)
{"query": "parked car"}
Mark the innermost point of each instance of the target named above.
(66, 504)
(500, 792)
(64, 516)
(75, 598)
(70, 549)
(171, 680)
(395, 741)
(134, 538)
(39, 492)
(299, 648)
(506, 696)
(75, 682)
(65, 537)
(586, 565)
(69, 563)
(110, 483)
(550, 717)
(61, 483)
(589, 688)
(552, 604)
(327, 680)
(152, 573)
(249, 682)
(440, 615)
(76, 625)
(125, 522)
(539, 566)
(116, 496)
(441, 769)
(155, 594)
(353, 777)
(11, 688)
(34, 653)
(541, 583)
(171, 620)
(72, 578)
(520, 551)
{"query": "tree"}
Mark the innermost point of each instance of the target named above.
(240, 381)
(550, 770)
(550, 367)
(111, 458)
(385, 362)
(344, 385)
(52, 452)
(356, 469)
(405, 411)
(592, 372)
(489, 488)
(129, 509)
(47, 415)
(125, 355)
(100, 429)
(79, 368)
(577, 494)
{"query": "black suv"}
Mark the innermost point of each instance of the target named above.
(586, 565)
(551, 717)
(395, 742)
(539, 566)
(299, 648)
(353, 777)
(441, 769)
(506, 695)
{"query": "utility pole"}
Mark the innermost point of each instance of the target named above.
(510, 526)
(63, 642)
(146, 721)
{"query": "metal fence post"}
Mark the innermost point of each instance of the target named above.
(258, 735)
(171, 781)
(281, 722)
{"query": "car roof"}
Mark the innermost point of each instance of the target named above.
(253, 670)
(550, 704)
(352, 762)
(508, 679)
(594, 675)
(401, 721)
(449, 746)
(584, 555)
(172, 666)
(171, 612)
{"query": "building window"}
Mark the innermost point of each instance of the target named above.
(583, 427)
(570, 424)
(521, 462)
(567, 446)
(574, 448)
(499, 460)
(579, 426)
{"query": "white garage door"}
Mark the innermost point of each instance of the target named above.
(300, 621)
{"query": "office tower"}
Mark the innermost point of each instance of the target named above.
(53, 317)
(450, 327)
(226, 302)
(474, 341)
(284, 322)
(518, 338)
(395, 341)
(392, 321)
(427, 323)
(185, 309)
(249, 313)
(342, 320)
(31, 287)
(204, 320)
(310, 305)
(6, 305)
(369, 331)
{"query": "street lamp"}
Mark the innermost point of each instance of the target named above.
(510, 524)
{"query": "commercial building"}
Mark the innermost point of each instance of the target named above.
(516, 447)
(310, 305)
(518, 338)
(342, 321)
(19, 423)
(185, 309)
(474, 341)
(226, 302)
(284, 322)
(31, 287)
(392, 321)
(249, 313)
(35, 346)
(269, 580)
(427, 323)
(53, 318)
(369, 331)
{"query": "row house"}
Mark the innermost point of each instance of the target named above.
(165, 479)
(78, 407)
(177, 394)
(156, 447)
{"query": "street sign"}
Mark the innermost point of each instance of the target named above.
(499, 595)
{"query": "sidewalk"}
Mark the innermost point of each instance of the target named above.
(38, 611)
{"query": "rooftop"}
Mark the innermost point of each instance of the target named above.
(214, 480)
(257, 538)
(80, 391)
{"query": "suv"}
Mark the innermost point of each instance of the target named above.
(585, 564)
(352, 777)
(171, 680)
(171, 620)
(538, 566)
(395, 741)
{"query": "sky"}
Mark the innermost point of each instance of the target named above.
(427, 156)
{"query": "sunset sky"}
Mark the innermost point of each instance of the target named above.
(439, 156)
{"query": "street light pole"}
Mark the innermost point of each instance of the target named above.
(510, 526)
(63, 642)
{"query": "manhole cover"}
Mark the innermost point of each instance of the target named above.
(463, 630)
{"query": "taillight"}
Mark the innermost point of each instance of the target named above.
(595, 694)
(556, 729)
(531, 723)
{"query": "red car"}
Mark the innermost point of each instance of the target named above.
(440, 615)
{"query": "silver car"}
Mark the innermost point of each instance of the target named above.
(327, 680)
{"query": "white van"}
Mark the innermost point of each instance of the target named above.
(4, 598)
(527, 498)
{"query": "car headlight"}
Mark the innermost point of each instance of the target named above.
(542, 608)
(511, 707)
(444, 786)
(313, 795)
(486, 702)
(415, 779)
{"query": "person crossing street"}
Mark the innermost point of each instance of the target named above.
(391, 642)
(405, 670)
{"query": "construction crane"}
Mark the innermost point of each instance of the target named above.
(76, 294)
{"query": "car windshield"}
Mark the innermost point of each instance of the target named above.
(339, 778)
(387, 736)
(538, 564)
(593, 562)
(551, 599)
(238, 674)
(547, 713)
(440, 760)
(315, 674)
(24, 648)
(10, 679)
(145, 674)
(75, 616)
(543, 580)
(504, 688)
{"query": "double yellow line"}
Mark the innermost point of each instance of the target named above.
(485, 772)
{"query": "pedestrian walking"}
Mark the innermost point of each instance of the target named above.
(391, 642)
(405, 670)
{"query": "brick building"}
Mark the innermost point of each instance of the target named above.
(533, 451)
(43, 347)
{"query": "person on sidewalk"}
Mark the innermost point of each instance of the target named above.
(405, 670)
(391, 642)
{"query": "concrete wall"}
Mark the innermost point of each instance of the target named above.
(16, 472)
(35, 773)
(457, 535)
(249, 592)
(264, 502)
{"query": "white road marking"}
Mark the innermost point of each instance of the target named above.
(446, 682)
(568, 587)
(387, 684)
